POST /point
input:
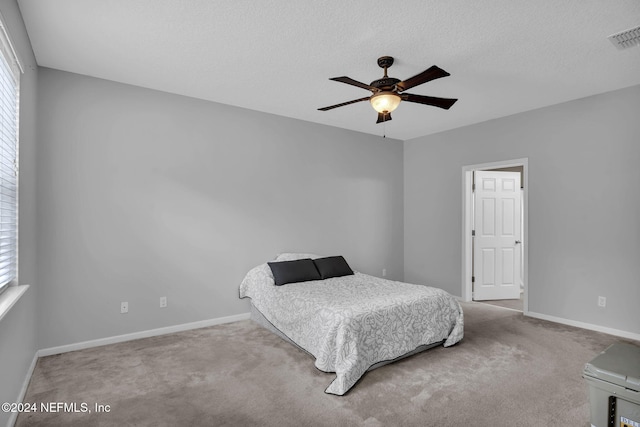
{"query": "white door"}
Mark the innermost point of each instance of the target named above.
(497, 242)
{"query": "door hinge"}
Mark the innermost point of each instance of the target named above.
(473, 233)
(473, 279)
(473, 187)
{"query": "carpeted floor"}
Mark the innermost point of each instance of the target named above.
(509, 370)
(513, 304)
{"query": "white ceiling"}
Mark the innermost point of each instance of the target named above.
(504, 56)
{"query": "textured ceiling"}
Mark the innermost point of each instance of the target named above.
(504, 56)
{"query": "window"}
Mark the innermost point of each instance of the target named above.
(9, 85)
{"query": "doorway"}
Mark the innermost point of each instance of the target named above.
(468, 227)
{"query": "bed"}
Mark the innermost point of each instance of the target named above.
(354, 322)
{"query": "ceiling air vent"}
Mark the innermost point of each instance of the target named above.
(626, 39)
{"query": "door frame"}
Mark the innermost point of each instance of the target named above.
(467, 221)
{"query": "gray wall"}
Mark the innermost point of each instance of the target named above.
(18, 328)
(145, 194)
(584, 204)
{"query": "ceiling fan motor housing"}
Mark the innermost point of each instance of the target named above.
(385, 83)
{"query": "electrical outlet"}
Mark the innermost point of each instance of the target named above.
(602, 301)
(384, 272)
(163, 302)
(124, 307)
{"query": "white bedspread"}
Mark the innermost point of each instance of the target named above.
(350, 323)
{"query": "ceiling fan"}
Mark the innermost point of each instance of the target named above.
(388, 91)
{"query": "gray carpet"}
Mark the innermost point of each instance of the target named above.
(509, 370)
(514, 304)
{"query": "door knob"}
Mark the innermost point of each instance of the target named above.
(518, 242)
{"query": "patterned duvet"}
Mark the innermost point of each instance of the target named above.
(350, 323)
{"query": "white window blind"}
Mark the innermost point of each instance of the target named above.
(9, 83)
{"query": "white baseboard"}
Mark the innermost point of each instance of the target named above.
(142, 334)
(583, 325)
(25, 384)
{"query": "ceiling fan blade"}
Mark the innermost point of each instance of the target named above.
(445, 103)
(344, 103)
(383, 117)
(432, 73)
(350, 81)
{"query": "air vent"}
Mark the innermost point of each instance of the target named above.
(626, 39)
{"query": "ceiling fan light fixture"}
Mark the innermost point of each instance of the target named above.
(385, 102)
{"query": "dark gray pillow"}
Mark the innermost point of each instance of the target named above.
(333, 266)
(300, 270)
